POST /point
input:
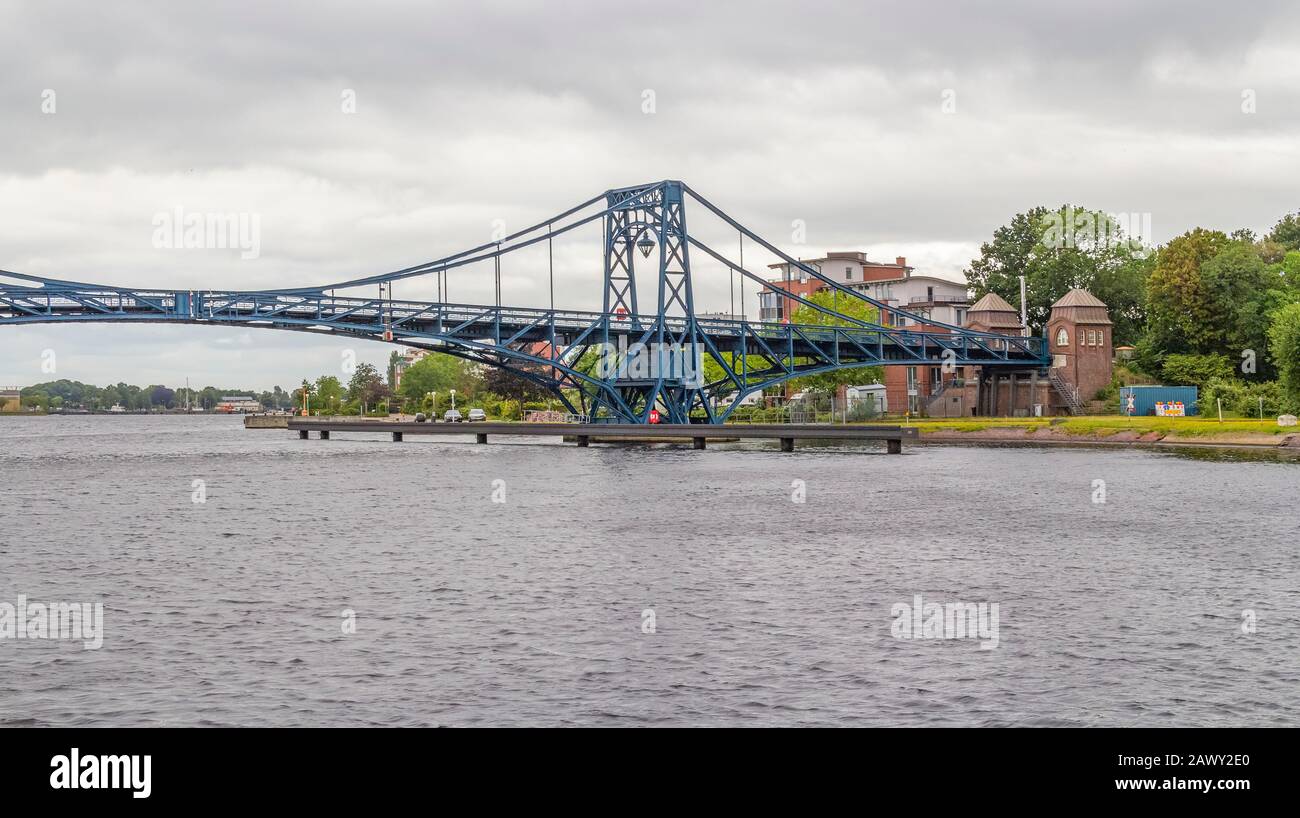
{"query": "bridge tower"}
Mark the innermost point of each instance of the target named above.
(655, 365)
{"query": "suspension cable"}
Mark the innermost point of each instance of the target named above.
(742, 279)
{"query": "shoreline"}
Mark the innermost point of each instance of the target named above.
(1048, 436)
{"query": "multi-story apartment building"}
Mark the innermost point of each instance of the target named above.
(896, 285)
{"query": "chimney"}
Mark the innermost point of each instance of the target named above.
(901, 261)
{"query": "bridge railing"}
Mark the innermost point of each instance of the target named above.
(412, 315)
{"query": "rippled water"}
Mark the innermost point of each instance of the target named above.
(530, 611)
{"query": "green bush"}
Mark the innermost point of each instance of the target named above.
(743, 414)
(1240, 398)
(862, 410)
(1196, 370)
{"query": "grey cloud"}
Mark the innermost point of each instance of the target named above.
(469, 112)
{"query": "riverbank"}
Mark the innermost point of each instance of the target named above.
(1112, 430)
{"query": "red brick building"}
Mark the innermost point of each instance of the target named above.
(1079, 339)
(1080, 336)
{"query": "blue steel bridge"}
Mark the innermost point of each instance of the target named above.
(647, 252)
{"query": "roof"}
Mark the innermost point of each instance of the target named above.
(844, 255)
(991, 303)
(1079, 298)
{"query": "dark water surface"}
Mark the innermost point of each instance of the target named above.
(766, 611)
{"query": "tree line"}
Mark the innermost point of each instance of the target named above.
(425, 386)
(65, 394)
(1213, 309)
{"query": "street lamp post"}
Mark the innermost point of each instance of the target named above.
(453, 399)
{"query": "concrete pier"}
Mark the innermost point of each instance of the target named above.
(582, 433)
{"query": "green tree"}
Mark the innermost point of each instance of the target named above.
(436, 372)
(367, 387)
(1196, 370)
(1284, 349)
(844, 305)
(1289, 270)
(1242, 291)
(515, 387)
(1181, 307)
(1287, 231)
(327, 396)
(393, 359)
(1058, 250)
(162, 397)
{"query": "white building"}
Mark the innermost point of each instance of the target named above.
(239, 403)
(894, 284)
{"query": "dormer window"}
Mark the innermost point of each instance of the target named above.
(1062, 338)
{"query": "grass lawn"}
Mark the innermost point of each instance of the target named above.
(1106, 425)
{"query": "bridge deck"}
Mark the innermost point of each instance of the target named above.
(787, 433)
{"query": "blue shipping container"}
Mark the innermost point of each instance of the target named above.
(1145, 398)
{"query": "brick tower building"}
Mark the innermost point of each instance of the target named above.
(1080, 338)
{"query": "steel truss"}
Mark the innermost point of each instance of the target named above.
(562, 350)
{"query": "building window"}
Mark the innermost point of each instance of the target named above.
(1062, 338)
(770, 306)
(1092, 338)
(848, 273)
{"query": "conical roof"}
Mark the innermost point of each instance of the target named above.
(992, 303)
(1082, 307)
(1079, 298)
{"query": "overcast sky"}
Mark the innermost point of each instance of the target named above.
(909, 128)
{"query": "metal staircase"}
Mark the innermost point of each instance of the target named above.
(1068, 392)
